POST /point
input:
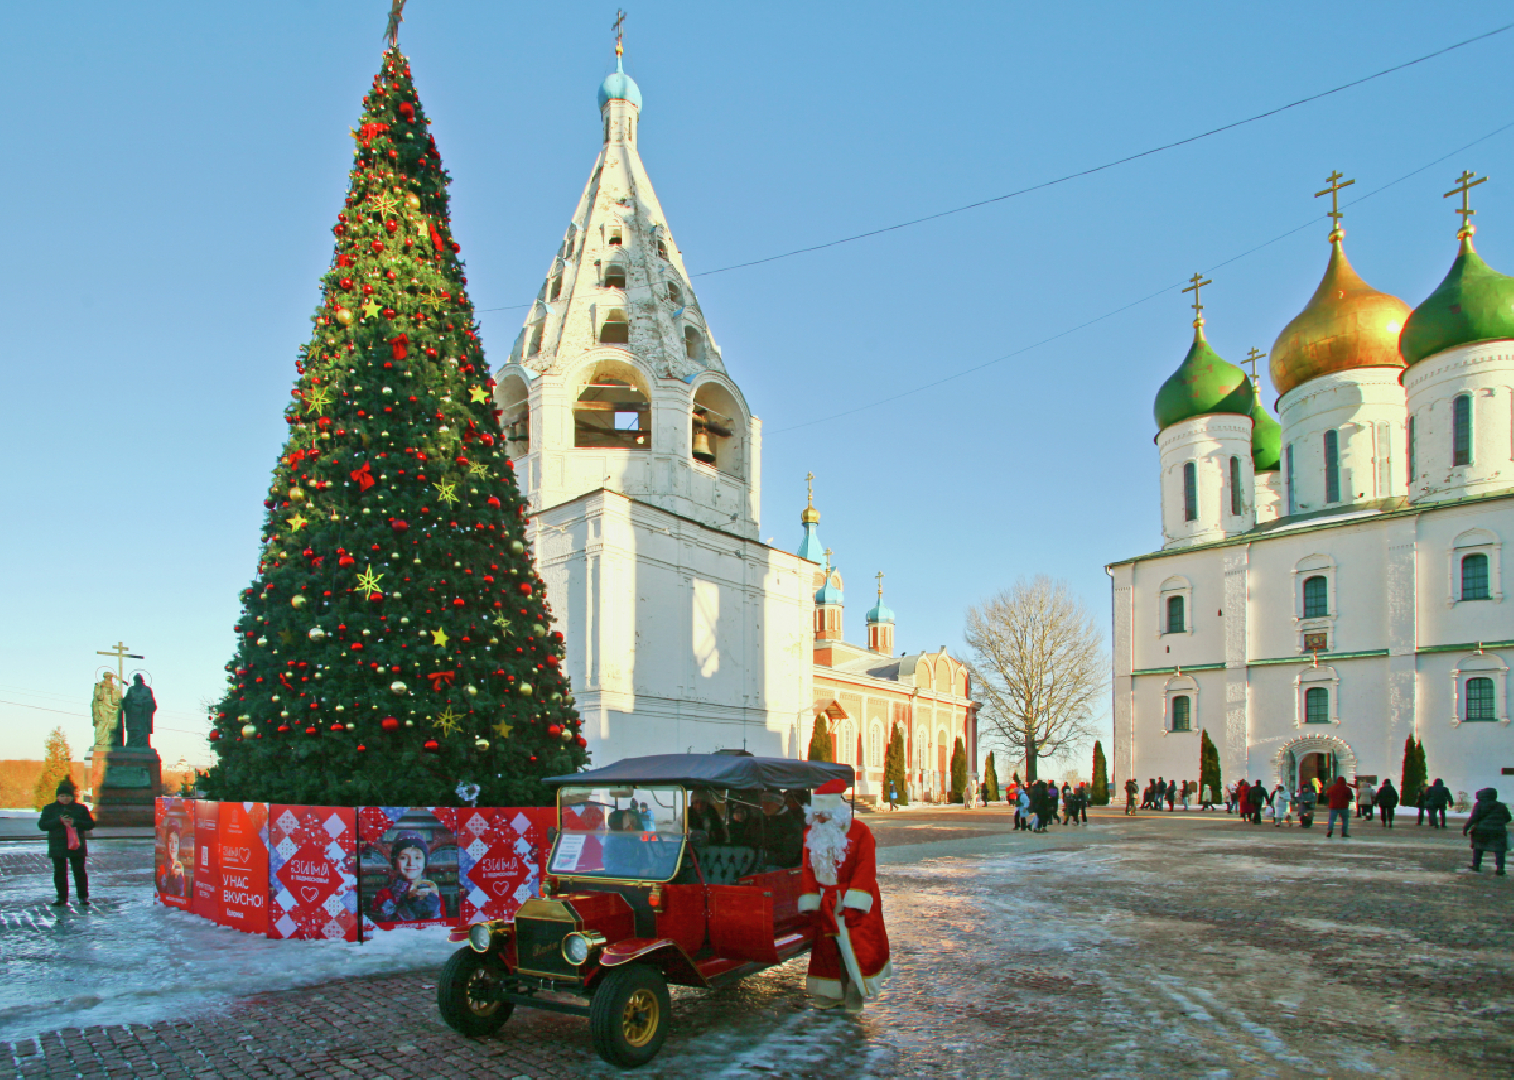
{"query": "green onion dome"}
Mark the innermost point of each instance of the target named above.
(1473, 303)
(1266, 440)
(1203, 384)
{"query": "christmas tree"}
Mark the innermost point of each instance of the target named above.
(1099, 793)
(895, 771)
(958, 770)
(991, 779)
(1209, 766)
(395, 644)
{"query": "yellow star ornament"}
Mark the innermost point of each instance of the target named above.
(439, 637)
(446, 721)
(372, 307)
(478, 393)
(317, 400)
(446, 491)
(502, 729)
(479, 470)
(298, 522)
(502, 622)
(368, 581)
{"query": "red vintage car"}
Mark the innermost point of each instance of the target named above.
(679, 868)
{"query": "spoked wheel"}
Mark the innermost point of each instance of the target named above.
(468, 993)
(629, 1015)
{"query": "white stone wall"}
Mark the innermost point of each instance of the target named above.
(1209, 442)
(1366, 407)
(1484, 372)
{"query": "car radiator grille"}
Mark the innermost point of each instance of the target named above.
(538, 945)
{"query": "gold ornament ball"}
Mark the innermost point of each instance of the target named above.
(316, 635)
(472, 690)
(567, 735)
(262, 643)
(344, 316)
(539, 630)
(398, 687)
(297, 494)
(525, 689)
(249, 730)
(341, 708)
(412, 202)
(516, 547)
(297, 601)
(480, 744)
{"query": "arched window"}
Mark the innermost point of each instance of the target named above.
(616, 329)
(1413, 450)
(616, 236)
(1316, 597)
(1480, 699)
(693, 343)
(674, 293)
(1190, 491)
(1236, 502)
(535, 346)
(613, 413)
(1474, 576)
(556, 290)
(1288, 461)
(1175, 622)
(1332, 467)
(1316, 705)
(1461, 430)
(1182, 713)
(615, 276)
(662, 250)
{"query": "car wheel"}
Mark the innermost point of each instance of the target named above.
(629, 1015)
(468, 994)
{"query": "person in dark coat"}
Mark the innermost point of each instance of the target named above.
(1489, 828)
(65, 821)
(1339, 797)
(1132, 789)
(1256, 798)
(1386, 800)
(1242, 804)
(1437, 799)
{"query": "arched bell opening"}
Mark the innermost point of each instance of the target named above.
(613, 409)
(515, 415)
(717, 427)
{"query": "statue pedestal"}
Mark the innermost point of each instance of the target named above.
(127, 784)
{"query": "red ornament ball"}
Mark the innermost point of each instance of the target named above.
(581, 741)
(377, 246)
(338, 727)
(312, 730)
(361, 747)
(283, 729)
(215, 736)
(389, 723)
(554, 731)
(432, 746)
(525, 588)
(494, 501)
(392, 226)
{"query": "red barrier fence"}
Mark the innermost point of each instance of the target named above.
(344, 873)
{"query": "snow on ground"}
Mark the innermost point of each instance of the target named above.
(128, 959)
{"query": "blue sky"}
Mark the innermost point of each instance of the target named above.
(174, 170)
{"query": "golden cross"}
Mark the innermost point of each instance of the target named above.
(827, 558)
(620, 32)
(1198, 282)
(1464, 184)
(1252, 357)
(879, 576)
(1334, 191)
(809, 482)
(120, 653)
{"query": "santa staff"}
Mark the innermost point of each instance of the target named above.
(849, 959)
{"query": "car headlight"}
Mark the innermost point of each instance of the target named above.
(575, 949)
(480, 936)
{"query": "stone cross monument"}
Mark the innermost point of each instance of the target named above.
(126, 772)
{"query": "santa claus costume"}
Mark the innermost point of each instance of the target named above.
(840, 874)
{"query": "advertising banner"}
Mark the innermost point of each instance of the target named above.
(174, 852)
(500, 856)
(243, 849)
(206, 891)
(312, 880)
(408, 864)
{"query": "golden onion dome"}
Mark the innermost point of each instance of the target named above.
(1348, 324)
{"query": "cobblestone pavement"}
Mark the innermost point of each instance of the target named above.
(1178, 944)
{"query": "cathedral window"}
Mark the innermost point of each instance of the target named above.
(674, 293)
(1182, 713)
(693, 343)
(611, 412)
(1332, 467)
(1316, 597)
(1176, 624)
(1461, 430)
(556, 289)
(615, 276)
(1412, 449)
(616, 236)
(1236, 502)
(1190, 491)
(1316, 705)
(1480, 704)
(1292, 502)
(535, 346)
(1474, 576)
(662, 250)
(616, 329)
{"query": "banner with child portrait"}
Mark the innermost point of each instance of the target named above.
(408, 866)
(174, 852)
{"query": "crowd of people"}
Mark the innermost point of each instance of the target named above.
(1042, 803)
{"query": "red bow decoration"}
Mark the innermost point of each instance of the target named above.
(439, 677)
(368, 132)
(407, 110)
(436, 237)
(363, 477)
(400, 345)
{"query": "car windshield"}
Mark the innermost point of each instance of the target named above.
(612, 832)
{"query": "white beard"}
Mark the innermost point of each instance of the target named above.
(827, 843)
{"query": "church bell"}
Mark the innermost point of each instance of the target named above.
(703, 451)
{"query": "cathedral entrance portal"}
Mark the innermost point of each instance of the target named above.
(1308, 758)
(1321, 767)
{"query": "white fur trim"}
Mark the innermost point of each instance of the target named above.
(823, 988)
(809, 902)
(875, 983)
(856, 898)
(827, 803)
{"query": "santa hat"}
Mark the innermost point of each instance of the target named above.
(830, 795)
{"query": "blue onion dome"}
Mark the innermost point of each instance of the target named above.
(619, 86)
(880, 613)
(830, 592)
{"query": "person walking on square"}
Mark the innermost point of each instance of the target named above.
(1022, 808)
(1436, 801)
(1339, 797)
(1242, 803)
(1256, 796)
(1206, 798)
(1132, 789)
(66, 821)
(1187, 794)
(1387, 802)
(1365, 793)
(1282, 805)
(1230, 797)
(1488, 825)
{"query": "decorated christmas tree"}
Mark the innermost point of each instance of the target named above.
(396, 642)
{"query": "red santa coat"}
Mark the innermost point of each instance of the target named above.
(862, 906)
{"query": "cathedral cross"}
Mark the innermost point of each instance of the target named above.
(120, 653)
(1464, 184)
(1251, 358)
(620, 32)
(1334, 191)
(879, 576)
(809, 483)
(1198, 283)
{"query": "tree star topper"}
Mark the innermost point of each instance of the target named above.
(368, 581)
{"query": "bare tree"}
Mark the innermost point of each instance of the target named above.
(1038, 663)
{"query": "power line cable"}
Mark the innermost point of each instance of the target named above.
(1090, 171)
(1134, 303)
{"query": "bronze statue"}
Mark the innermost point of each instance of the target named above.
(105, 709)
(138, 707)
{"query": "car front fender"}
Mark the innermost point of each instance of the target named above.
(664, 953)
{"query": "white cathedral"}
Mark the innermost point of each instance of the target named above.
(1351, 555)
(641, 465)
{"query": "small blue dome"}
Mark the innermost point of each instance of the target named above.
(619, 86)
(880, 613)
(828, 593)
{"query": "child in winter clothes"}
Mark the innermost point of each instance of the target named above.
(1488, 825)
(65, 822)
